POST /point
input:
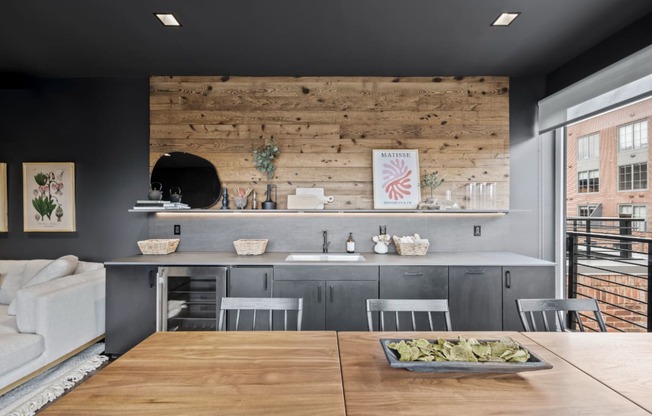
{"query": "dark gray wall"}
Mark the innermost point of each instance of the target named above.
(102, 125)
(624, 43)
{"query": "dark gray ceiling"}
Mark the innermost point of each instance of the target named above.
(70, 38)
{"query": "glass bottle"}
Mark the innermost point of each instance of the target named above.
(350, 244)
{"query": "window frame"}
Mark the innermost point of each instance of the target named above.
(631, 175)
(592, 182)
(633, 125)
(592, 142)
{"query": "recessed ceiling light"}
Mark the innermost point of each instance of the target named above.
(167, 19)
(505, 19)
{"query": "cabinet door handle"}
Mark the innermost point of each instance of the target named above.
(508, 279)
(473, 271)
(265, 282)
(413, 274)
(318, 294)
(152, 278)
(330, 292)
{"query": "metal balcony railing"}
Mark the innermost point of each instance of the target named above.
(605, 261)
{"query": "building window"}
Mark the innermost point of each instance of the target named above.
(632, 177)
(633, 136)
(588, 147)
(588, 181)
(586, 210)
(634, 211)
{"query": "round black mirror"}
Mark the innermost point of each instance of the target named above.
(191, 178)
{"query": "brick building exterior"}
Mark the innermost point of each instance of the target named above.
(608, 165)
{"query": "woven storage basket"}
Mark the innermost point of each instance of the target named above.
(250, 247)
(410, 249)
(158, 246)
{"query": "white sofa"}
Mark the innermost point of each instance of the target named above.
(49, 310)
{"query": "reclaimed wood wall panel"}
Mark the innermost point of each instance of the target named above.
(327, 127)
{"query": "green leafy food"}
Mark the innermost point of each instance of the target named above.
(466, 350)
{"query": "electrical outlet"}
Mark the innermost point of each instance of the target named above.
(477, 231)
(177, 229)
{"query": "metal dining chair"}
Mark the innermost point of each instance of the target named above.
(428, 306)
(530, 309)
(260, 304)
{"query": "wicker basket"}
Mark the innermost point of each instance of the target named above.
(158, 246)
(411, 249)
(250, 247)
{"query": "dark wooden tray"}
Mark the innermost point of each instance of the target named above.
(534, 363)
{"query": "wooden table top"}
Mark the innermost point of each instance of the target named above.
(622, 361)
(372, 387)
(216, 373)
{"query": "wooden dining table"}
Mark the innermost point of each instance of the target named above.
(621, 361)
(329, 373)
(372, 387)
(216, 373)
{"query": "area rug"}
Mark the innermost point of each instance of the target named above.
(28, 398)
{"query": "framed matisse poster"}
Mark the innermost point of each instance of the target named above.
(4, 220)
(396, 179)
(49, 197)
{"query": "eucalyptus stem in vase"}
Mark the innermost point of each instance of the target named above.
(264, 158)
(431, 180)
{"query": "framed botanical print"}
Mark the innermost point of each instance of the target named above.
(49, 197)
(4, 220)
(396, 179)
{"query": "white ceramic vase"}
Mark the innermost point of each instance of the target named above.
(380, 248)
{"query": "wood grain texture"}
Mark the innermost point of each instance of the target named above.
(327, 128)
(371, 387)
(622, 361)
(216, 373)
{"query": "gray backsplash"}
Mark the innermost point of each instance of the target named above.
(302, 232)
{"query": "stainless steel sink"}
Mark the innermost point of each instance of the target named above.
(324, 257)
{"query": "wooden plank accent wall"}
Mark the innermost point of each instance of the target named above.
(327, 127)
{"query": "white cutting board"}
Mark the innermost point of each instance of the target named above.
(305, 202)
(318, 192)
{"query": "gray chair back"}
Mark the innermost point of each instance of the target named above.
(428, 306)
(529, 309)
(260, 304)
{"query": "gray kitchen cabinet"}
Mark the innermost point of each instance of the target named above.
(475, 298)
(413, 282)
(250, 282)
(346, 304)
(522, 282)
(333, 296)
(130, 306)
(314, 306)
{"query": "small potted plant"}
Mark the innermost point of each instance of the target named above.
(431, 180)
(264, 158)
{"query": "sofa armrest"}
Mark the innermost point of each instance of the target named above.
(67, 312)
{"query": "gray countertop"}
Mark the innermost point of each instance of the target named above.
(205, 258)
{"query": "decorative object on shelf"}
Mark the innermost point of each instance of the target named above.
(264, 157)
(411, 245)
(309, 198)
(448, 202)
(481, 196)
(396, 179)
(250, 247)
(431, 180)
(175, 194)
(240, 197)
(155, 191)
(270, 203)
(225, 198)
(4, 222)
(254, 201)
(158, 246)
(49, 197)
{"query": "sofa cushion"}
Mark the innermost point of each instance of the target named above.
(86, 266)
(7, 322)
(12, 272)
(18, 349)
(63, 266)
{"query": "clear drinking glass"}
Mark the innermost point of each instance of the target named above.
(490, 191)
(471, 195)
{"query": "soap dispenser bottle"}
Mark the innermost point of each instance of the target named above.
(350, 244)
